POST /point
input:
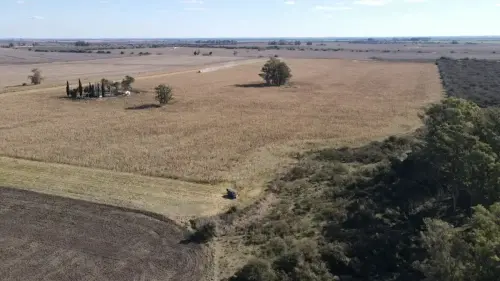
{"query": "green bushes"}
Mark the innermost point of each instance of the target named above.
(163, 94)
(402, 209)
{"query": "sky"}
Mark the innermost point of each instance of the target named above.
(247, 18)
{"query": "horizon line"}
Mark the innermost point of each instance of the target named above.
(245, 38)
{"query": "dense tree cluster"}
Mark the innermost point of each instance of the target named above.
(82, 44)
(217, 42)
(99, 89)
(285, 42)
(422, 207)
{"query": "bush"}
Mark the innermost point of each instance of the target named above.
(275, 72)
(127, 82)
(204, 233)
(255, 270)
(163, 94)
(36, 78)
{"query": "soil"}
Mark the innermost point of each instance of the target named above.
(45, 237)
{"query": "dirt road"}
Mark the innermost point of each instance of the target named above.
(44, 237)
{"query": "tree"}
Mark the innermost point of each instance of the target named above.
(80, 87)
(127, 82)
(163, 94)
(457, 157)
(74, 93)
(469, 253)
(67, 89)
(36, 78)
(104, 85)
(275, 72)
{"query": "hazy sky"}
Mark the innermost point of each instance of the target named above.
(247, 18)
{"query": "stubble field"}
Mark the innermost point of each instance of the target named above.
(222, 126)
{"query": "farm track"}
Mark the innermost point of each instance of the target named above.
(53, 238)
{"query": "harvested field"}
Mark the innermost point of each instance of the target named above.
(223, 125)
(476, 80)
(54, 238)
(59, 72)
(176, 199)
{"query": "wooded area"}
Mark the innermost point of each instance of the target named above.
(422, 207)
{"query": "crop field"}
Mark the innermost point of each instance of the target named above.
(53, 238)
(59, 72)
(476, 80)
(223, 126)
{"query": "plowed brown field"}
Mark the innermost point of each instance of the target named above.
(53, 238)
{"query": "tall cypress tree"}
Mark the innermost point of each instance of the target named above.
(80, 88)
(103, 89)
(67, 88)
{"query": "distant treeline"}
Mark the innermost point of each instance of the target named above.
(390, 41)
(217, 42)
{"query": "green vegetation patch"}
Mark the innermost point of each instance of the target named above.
(401, 209)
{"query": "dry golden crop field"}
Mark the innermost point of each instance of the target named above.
(222, 126)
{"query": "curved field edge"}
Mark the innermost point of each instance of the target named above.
(82, 239)
(177, 200)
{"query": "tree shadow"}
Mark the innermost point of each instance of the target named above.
(143, 106)
(252, 85)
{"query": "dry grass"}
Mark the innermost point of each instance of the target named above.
(216, 131)
(176, 199)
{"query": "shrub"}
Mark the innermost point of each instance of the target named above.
(36, 78)
(204, 233)
(163, 94)
(122, 53)
(275, 72)
(127, 82)
(255, 270)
